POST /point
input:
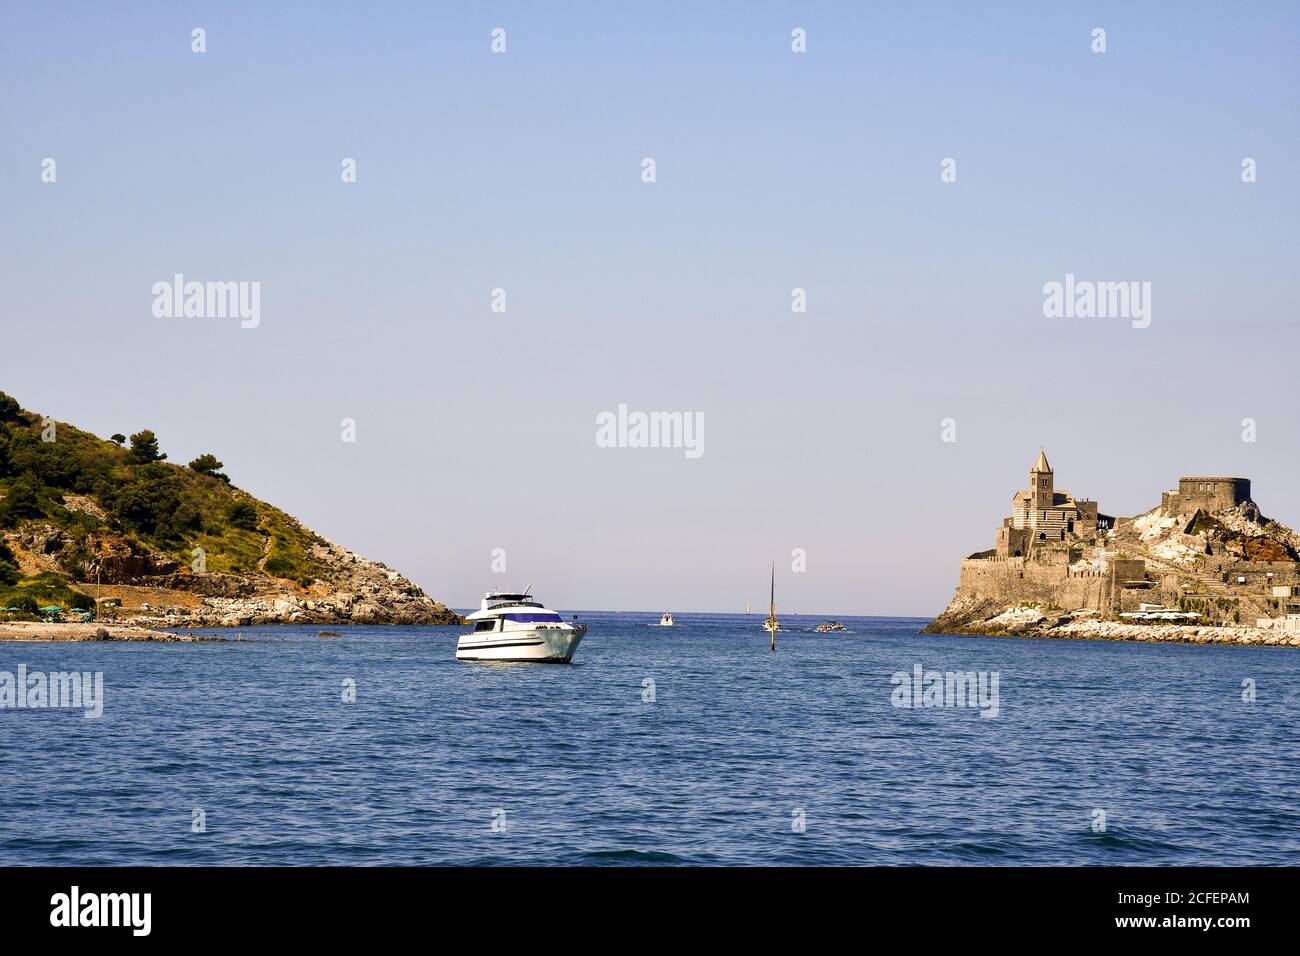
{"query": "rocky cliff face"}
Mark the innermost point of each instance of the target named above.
(156, 590)
(354, 590)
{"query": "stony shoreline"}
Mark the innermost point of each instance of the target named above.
(273, 609)
(41, 631)
(1086, 626)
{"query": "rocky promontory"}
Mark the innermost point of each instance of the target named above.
(109, 529)
(151, 589)
(1204, 567)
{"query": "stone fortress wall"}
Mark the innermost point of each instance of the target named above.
(1211, 493)
(1047, 579)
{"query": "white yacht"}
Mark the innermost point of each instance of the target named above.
(515, 627)
(667, 620)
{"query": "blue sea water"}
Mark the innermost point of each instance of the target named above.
(736, 748)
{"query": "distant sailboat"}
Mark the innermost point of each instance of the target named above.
(746, 607)
(771, 624)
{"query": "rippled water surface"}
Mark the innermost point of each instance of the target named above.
(736, 744)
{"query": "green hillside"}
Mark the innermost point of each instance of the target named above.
(149, 502)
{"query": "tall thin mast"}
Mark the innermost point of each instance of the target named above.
(771, 610)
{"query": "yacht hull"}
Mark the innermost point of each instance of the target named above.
(541, 645)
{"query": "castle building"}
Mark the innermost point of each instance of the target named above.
(1211, 493)
(1041, 515)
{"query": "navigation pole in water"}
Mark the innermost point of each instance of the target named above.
(771, 610)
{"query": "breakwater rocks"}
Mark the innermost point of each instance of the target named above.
(336, 608)
(990, 619)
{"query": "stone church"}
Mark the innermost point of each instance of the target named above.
(1041, 515)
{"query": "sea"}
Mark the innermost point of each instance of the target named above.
(690, 745)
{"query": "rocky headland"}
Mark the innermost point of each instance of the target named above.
(110, 530)
(1204, 567)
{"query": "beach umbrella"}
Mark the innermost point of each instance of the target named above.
(52, 609)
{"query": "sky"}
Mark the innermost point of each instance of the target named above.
(774, 170)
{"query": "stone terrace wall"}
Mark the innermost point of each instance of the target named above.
(1015, 580)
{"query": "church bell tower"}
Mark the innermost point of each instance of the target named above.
(1040, 484)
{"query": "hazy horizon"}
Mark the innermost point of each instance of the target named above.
(775, 170)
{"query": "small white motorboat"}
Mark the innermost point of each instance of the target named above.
(514, 627)
(667, 620)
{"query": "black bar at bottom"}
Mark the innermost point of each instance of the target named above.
(334, 905)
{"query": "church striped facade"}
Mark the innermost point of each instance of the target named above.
(1041, 515)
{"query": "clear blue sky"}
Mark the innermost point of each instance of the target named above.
(775, 170)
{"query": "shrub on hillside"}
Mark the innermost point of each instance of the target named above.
(149, 500)
(9, 573)
(186, 518)
(10, 410)
(23, 500)
(54, 464)
(242, 515)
